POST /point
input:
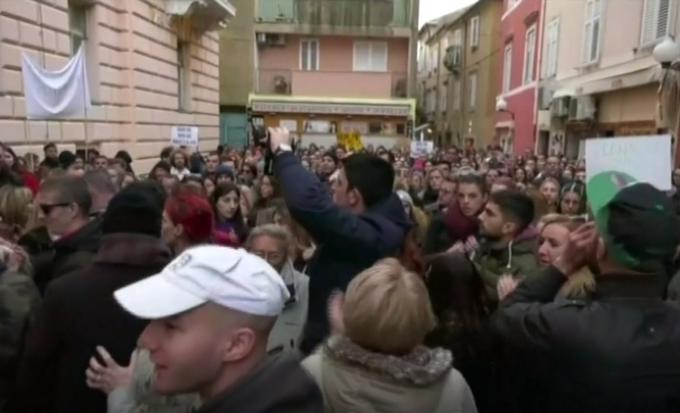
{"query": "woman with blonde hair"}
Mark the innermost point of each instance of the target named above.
(554, 232)
(375, 360)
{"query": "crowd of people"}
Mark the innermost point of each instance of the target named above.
(456, 281)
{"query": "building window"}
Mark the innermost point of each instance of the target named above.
(375, 128)
(530, 55)
(593, 24)
(309, 54)
(474, 32)
(456, 95)
(77, 20)
(458, 37)
(183, 79)
(507, 68)
(472, 99)
(656, 21)
(431, 101)
(552, 47)
(370, 57)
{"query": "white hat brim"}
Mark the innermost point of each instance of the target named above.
(155, 297)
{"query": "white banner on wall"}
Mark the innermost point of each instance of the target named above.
(56, 94)
(645, 158)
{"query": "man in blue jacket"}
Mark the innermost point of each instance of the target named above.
(362, 223)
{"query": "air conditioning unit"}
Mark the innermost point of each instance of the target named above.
(582, 108)
(276, 39)
(560, 107)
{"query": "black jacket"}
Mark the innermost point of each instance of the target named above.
(615, 353)
(347, 243)
(78, 314)
(278, 385)
(66, 255)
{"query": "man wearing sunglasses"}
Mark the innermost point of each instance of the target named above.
(64, 207)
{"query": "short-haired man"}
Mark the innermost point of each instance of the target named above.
(101, 189)
(51, 160)
(78, 312)
(101, 162)
(64, 206)
(211, 311)
(617, 351)
(459, 225)
(212, 163)
(363, 222)
(509, 243)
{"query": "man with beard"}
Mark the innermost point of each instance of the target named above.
(508, 243)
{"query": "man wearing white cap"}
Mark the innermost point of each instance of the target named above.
(211, 311)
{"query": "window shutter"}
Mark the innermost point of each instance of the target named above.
(662, 18)
(363, 56)
(314, 58)
(304, 50)
(379, 57)
(648, 22)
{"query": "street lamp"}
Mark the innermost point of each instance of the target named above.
(502, 106)
(667, 52)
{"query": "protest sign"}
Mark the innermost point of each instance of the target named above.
(421, 148)
(646, 158)
(184, 136)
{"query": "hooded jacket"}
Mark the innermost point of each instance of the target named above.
(616, 352)
(79, 313)
(517, 258)
(278, 385)
(353, 379)
(347, 243)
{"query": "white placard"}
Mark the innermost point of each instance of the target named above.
(184, 136)
(421, 148)
(645, 158)
(290, 124)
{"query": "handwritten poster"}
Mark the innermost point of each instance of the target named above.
(184, 136)
(646, 158)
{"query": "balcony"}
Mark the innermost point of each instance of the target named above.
(335, 16)
(332, 84)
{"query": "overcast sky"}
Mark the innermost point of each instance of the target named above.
(431, 9)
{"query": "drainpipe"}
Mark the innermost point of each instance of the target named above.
(539, 66)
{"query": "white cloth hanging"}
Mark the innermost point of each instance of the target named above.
(56, 94)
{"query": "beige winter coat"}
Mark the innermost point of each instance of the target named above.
(354, 380)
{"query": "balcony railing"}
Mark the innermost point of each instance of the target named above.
(343, 13)
(333, 84)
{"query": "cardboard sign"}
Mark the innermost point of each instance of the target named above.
(646, 158)
(184, 136)
(421, 148)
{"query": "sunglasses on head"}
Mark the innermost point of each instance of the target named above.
(47, 208)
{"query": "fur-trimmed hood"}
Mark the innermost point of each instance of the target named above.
(354, 379)
(421, 367)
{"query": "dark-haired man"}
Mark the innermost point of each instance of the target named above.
(363, 222)
(508, 242)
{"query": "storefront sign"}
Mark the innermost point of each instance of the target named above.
(646, 158)
(332, 109)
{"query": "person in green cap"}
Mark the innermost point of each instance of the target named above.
(617, 351)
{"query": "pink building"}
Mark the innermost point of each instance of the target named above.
(326, 67)
(151, 65)
(519, 47)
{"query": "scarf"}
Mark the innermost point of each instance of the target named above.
(458, 226)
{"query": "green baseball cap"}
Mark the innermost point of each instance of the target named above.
(636, 220)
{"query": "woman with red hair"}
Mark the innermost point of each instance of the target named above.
(188, 220)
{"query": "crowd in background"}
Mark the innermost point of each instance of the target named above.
(434, 252)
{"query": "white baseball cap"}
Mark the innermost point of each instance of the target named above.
(224, 276)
